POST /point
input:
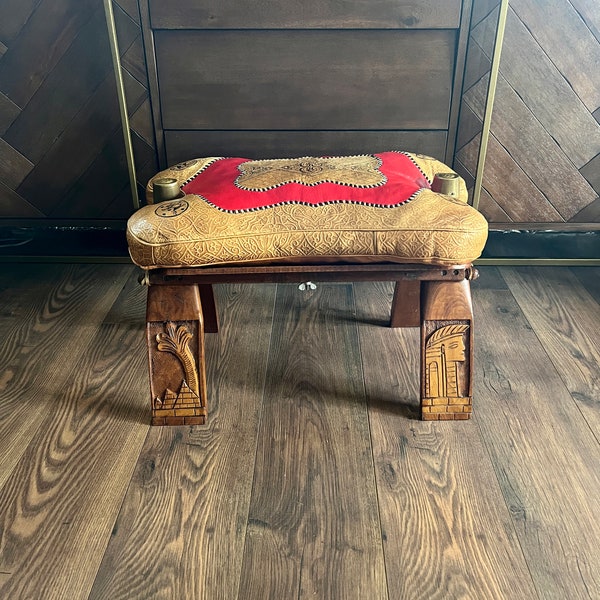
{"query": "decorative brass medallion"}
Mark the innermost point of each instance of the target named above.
(171, 208)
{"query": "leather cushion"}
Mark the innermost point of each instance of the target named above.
(361, 208)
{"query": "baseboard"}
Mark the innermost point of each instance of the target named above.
(539, 243)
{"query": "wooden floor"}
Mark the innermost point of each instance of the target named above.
(313, 479)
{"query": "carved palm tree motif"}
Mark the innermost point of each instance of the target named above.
(176, 341)
(445, 348)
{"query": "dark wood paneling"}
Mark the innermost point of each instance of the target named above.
(305, 79)
(43, 40)
(61, 146)
(12, 205)
(95, 123)
(470, 126)
(571, 47)
(591, 172)
(130, 7)
(15, 14)
(535, 151)
(106, 176)
(590, 214)
(182, 145)
(540, 163)
(66, 89)
(478, 65)
(548, 92)
(14, 167)
(275, 14)
(9, 111)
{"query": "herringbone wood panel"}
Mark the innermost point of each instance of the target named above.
(61, 148)
(543, 159)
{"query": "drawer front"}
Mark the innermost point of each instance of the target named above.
(323, 80)
(318, 14)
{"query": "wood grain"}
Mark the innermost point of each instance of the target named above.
(482, 8)
(406, 304)
(104, 178)
(589, 214)
(567, 322)
(544, 454)
(478, 509)
(65, 90)
(14, 167)
(46, 34)
(81, 458)
(15, 14)
(180, 532)
(63, 311)
(320, 14)
(58, 116)
(503, 178)
(96, 125)
(575, 55)
(589, 11)
(305, 79)
(313, 523)
(589, 278)
(9, 111)
(549, 91)
(445, 526)
(478, 64)
(12, 205)
(591, 172)
(181, 145)
(514, 126)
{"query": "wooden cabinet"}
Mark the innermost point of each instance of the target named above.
(289, 79)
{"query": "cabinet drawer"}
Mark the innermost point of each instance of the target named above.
(317, 14)
(324, 80)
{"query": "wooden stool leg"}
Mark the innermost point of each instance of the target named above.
(175, 337)
(446, 350)
(209, 308)
(406, 305)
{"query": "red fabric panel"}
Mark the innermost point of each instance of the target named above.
(216, 185)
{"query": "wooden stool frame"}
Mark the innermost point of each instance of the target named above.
(181, 309)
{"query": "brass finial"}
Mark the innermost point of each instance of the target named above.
(445, 183)
(165, 188)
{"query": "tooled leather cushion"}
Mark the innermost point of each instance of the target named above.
(375, 207)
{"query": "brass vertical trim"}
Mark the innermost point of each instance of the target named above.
(489, 105)
(458, 81)
(114, 50)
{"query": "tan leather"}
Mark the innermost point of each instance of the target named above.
(189, 232)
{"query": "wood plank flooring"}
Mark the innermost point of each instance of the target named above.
(314, 478)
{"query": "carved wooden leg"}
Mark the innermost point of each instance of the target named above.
(209, 308)
(406, 305)
(446, 350)
(175, 336)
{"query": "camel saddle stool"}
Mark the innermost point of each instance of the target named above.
(392, 216)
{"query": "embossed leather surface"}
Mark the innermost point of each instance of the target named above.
(369, 213)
